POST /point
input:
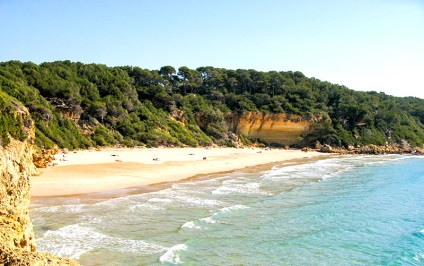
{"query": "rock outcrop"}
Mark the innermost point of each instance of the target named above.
(43, 158)
(17, 240)
(281, 129)
(374, 149)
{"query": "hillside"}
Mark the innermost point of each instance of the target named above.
(76, 105)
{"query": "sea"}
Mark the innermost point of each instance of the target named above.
(340, 210)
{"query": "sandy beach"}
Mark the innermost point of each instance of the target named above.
(89, 171)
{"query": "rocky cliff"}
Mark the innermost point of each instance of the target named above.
(282, 129)
(17, 241)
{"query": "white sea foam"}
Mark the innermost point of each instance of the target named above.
(226, 210)
(184, 196)
(95, 220)
(322, 169)
(197, 201)
(419, 257)
(336, 172)
(75, 240)
(208, 220)
(116, 203)
(233, 186)
(422, 231)
(160, 200)
(230, 209)
(191, 225)
(146, 206)
(171, 255)
(72, 208)
(234, 207)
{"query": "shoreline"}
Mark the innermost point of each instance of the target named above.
(113, 169)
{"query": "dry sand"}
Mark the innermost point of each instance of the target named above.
(110, 169)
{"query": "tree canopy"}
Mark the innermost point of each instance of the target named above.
(76, 105)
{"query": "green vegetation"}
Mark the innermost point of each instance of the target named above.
(11, 121)
(76, 105)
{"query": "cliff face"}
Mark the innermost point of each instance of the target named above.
(274, 128)
(17, 241)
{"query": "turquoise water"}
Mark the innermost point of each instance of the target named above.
(351, 210)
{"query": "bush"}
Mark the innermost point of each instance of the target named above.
(11, 122)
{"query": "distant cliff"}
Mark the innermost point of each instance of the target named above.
(17, 241)
(280, 129)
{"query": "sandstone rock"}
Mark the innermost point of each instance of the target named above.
(406, 146)
(318, 145)
(17, 240)
(282, 129)
(326, 148)
(43, 158)
(419, 151)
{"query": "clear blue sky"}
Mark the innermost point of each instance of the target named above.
(363, 44)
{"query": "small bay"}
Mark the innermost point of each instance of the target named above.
(343, 210)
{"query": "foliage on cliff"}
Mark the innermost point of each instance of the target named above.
(76, 105)
(11, 123)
